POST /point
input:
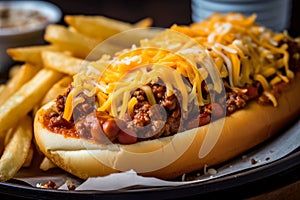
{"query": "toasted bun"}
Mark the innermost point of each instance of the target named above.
(172, 156)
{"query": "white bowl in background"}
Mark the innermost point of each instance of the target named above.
(274, 14)
(25, 35)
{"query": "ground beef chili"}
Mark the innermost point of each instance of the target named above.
(56, 123)
(152, 117)
(294, 52)
(237, 99)
(146, 122)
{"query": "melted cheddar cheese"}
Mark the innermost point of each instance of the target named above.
(247, 50)
(230, 46)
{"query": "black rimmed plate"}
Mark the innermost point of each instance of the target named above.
(244, 184)
(239, 185)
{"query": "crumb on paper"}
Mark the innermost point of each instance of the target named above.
(52, 185)
(70, 185)
(48, 185)
(210, 171)
(253, 161)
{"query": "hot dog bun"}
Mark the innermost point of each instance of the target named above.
(242, 130)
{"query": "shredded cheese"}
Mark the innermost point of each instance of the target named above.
(244, 47)
(271, 97)
(68, 107)
(133, 101)
(230, 46)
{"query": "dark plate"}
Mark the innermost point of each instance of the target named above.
(240, 185)
(243, 185)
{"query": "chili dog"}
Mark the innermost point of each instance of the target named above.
(190, 97)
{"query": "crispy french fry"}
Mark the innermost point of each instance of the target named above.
(24, 74)
(99, 27)
(31, 54)
(2, 86)
(144, 23)
(25, 98)
(5, 137)
(2, 141)
(17, 149)
(29, 157)
(14, 70)
(79, 45)
(58, 88)
(63, 63)
(47, 164)
(41, 78)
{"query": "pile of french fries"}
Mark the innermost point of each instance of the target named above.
(46, 71)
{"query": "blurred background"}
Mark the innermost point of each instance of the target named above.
(163, 12)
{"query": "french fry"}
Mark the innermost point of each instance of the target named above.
(17, 149)
(2, 86)
(5, 137)
(47, 164)
(24, 99)
(24, 74)
(144, 23)
(58, 88)
(99, 27)
(46, 72)
(63, 63)
(79, 45)
(29, 157)
(2, 142)
(14, 70)
(31, 54)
